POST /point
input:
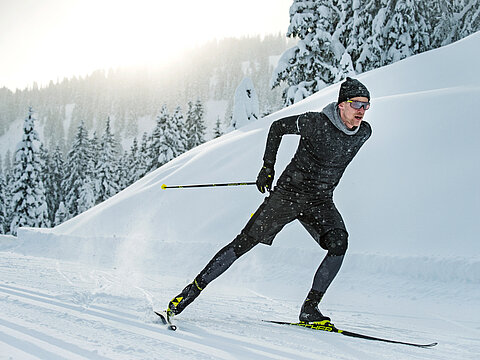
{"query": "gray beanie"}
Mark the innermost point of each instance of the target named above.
(351, 88)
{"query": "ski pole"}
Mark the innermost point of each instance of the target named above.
(207, 185)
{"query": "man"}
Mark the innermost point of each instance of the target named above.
(329, 140)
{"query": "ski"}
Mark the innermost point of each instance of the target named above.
(329, 327)
(166, 320)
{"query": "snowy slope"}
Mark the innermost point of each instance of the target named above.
(410, 199)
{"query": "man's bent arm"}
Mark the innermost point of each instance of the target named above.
(278, 128)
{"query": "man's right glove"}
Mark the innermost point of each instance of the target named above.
(265, 178)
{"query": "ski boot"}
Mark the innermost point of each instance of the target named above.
(310, 311)
(182, 300)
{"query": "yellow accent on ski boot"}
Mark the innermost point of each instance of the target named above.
(182, 300)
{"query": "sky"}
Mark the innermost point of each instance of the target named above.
(43, 40)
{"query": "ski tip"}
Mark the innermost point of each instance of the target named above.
(163, 186)
(166, 319)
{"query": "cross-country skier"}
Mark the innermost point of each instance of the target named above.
(329, 140)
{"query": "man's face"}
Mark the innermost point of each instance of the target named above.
(350, 116)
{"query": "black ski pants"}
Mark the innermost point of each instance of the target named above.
(320, 218)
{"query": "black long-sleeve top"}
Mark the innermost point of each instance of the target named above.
(321, 158)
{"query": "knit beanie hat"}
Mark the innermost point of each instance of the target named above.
(351, 88)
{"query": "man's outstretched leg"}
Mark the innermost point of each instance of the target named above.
(217, 266)
(336, 242)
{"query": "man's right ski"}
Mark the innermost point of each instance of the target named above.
(166, 319)
(329, 327)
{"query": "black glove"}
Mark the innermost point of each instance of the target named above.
(265, 178)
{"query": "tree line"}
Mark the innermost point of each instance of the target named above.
(44, 188)
(130, 96)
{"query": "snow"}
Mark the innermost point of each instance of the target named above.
(245, 106)
(410, 199)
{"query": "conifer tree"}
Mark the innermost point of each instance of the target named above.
(29, 206)
(134, 163)
(407, 32)
(44, 157)
(313, 62)
(195, 124)
(155, 147)
(180, 130)
(3, 203)
(124, 171)
(106, 180)
(142, 165)
(466, 18)
(174, 138)
(86, 199)
(80, 171)
(62, 214)
(7, 174)
(95, 150)
(55, 191)
(217, 131)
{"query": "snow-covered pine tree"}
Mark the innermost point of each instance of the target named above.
(55, 191)
(311, 64)
(28, 204)
(7, 173)
(86, 199)
(62, 214)
(45, 176)
(195, 124)
(367, 49)
(135, 171)
(78, 170)
(217, 131)
(155, 147)
(443, 27)
(95, 150)
(407, 31)
(246, 105)
(123, 171)
(174, 137)
(143, 159)
(3, 203)
(178, 124)
(466, 18)
(106, 179)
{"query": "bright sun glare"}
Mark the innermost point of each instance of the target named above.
(75, 37)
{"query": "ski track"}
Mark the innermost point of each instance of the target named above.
(61, 310)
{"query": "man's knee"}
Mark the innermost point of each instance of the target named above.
(336, 242)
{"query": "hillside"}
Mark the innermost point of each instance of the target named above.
(410, 201)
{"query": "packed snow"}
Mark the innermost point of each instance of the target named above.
(86, 289)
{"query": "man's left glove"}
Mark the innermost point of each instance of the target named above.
(265, 178)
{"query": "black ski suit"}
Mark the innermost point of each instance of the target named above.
(303, 192)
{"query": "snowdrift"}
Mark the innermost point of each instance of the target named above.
(411, 196)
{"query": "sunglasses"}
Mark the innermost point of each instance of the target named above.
(357, 105)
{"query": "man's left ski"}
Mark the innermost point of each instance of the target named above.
(329, 327)
(166, 320)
